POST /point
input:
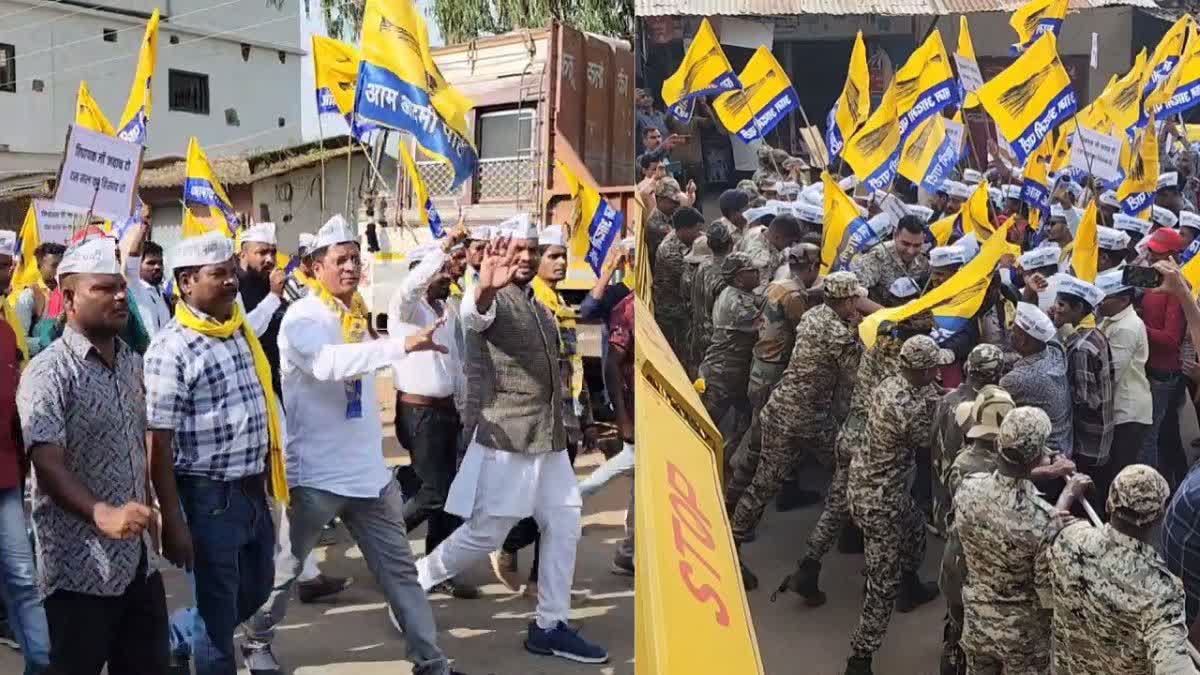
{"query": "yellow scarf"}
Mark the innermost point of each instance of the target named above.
(188, 319)
(355, 324)
(566, 317)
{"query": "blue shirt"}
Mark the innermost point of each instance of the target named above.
(1181, 539)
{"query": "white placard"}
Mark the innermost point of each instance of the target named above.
(745, 33)
(968, 73)
(956, 133)
(56, 221)
(99, 173)
(1095, 60)
(892, 206)
(1097, 154)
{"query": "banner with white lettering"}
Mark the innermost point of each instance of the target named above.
(1097, 154)
(56, 222)
(99, 173)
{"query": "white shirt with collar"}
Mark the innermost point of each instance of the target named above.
(426, 373)
(260, 317)
(326, 449)
(152, 306)
(1130, 348)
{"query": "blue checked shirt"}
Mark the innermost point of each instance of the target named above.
(206, 391)
(1181, 540)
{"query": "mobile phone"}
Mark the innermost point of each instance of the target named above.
(1140, 276)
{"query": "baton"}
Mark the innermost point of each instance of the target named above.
(1087, 507)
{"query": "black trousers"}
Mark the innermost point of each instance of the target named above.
(526, 531)
(128, 631)
(430, 434)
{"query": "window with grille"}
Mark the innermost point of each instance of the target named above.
(8, 68)
(505, 142)
(188, 92)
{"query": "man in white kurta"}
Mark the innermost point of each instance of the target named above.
(516, 464)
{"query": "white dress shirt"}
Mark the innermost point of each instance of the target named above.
(426, 373)
(260, 317)
(326, 449)
(1130, 349)
(152, 306)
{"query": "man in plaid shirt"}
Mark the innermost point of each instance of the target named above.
(1091, 377)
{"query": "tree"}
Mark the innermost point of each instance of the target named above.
(463, 20)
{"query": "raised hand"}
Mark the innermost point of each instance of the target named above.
(498, 267)
(422, 340)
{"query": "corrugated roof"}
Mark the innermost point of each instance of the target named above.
(848, 7)
(229, 170)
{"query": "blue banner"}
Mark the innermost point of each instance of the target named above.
(1044, 26)
(833, 135)
(1186, 97)
(435, 220)
(1035, 194)
(1061, 108)
(325, 102)
(944, 161)
(772, 114)
(682, 111)
(135, 131)
(200, 191)
(1136, 203)
(929, 103)
(860, 237)
(603, 228)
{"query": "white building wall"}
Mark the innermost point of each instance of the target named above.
(61, 45)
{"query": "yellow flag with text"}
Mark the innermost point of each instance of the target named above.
(335, 71)
(853, 106)
(924, 85)
(598, 224)
(136, 116)
(1183, 86)
(426, 212)
(975, 216)
(1035, 184)
(1086, 255)
(201, 188)
(1034, 19)
(705, 71)
(88, 113)
(1165, 57)
(766, 98)
(1030, 98)
(1136, 192)
(873, 151)
(966, 52)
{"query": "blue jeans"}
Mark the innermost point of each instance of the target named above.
(1163, 387)
(234, 540)
(26, 616)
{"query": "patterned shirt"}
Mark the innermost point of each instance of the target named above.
(668, 279)
(658, 226)
(786, 302)
(70, 398)
(877, 268)
(727, 362)
(763, 254)
(1181, 539)
(820, 372)
(706, 287)
(1040, 380)
(1090, 371)
(1116, 604)
(898, 422)
(206, 391)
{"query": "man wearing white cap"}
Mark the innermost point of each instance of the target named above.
(1132, 401)
(902, 256)
(1189, 226)
(1090, 372)
(1039, 377)
(477, 240)
(956, 194)
(1113, 247)
(1168, 194)
(144, 276)
(260, 289)
(17, 583)
(96, 562)
(213, 422)
(299, 269)
(1039, 269)
(944, 261)
(516, 464)
(1109, 205)
(335, 461)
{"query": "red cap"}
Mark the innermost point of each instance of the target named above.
(1165, 240)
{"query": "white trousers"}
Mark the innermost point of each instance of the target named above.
(619, 464)
(283, 543)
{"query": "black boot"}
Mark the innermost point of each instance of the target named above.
(914, 592)
(804, 580)
(858, 665)
(749, 579)
(851, 540)
(791, 496)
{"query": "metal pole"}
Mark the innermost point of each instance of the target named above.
(321, 143)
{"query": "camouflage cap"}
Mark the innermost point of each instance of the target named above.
(1138, 495)
(1023, 434)
(749, 186)
(734, 264)
(841, 285)
(718, 236)
(699, 252)
(669, 188)
(988, 411)
(985, 360)
(803, 252)
(780, 156)
(920, 352)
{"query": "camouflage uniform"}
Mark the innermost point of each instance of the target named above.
(801, 413)
(880, 266)
(699, 254)
(763, 254)
(706, 287)
(726, 365)
(671, 310)
(658, 225)
(898, 423)
(1117, 607)
(1006, 529)
(736, 233)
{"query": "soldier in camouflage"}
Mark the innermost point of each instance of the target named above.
(903, 256)
(765, 246)
(898, 422)
(1006, 529)
(1117, 608)
(699, 253)
(706, 286)
(877, 364)
(670, 308)
(801, 414)
(667, 197)
(733, 204)
(770, 166)
(726, 365)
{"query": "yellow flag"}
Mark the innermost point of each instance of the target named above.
(854, 104)
(88, 113)
(136, 116)
(201, 187)
(765, 99)
(704, 72)
(1035, 185)
(598, 225)
(1087, 252)
(966, 52)
(335, 71)
(426, 211)
(1136, 192)
(1183, 86)
(1035, 19)
(1121, 101)
(954, 302)
(943, 228)
(975, 216)
(27, 273)
(929, 155)
(1167, 54)
(1030, 98)
(872, 152)
(1191, 272)
(924, 85)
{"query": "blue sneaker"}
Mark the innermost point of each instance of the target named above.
(563, 641)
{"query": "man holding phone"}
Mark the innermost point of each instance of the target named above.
(1165, 327)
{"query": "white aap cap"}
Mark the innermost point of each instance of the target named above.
(1089, 293)
(1111, 282)
(1163, 217)
(1127, 223)
(552, 236)
(947, 256)
(848, 183)
(480, 233)
(759, 212)
(972, 177)
(8, 243)
(969, 243)
(1189, 219)
(1111, 239)
(421, 252)
(335, 231)
(1012, 191)
(1071, 186)
(1034, 322)
(92, 256)
(1109, 198)
(789, 188)
(306, 240)
(810, 213)
(956, 189)
(1168, 179)
(996, 195)
(922, 212)
(903, 288)
(1042, 256)
(1057, 212)
(210, 248)
(520, 227)
(882, 224)
(259, 233)
(814, 194)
